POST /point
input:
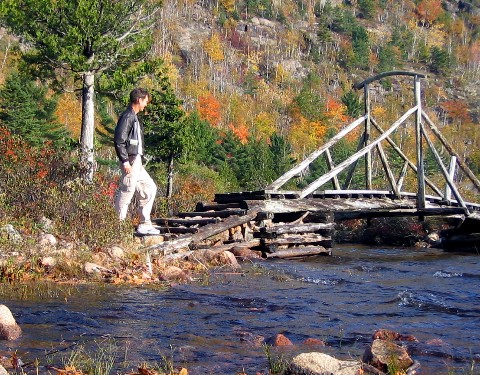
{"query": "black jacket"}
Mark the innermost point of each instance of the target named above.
(125, 132)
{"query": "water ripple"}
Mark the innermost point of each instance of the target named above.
(445, 274)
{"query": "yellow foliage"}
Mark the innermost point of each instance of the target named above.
(264, 125)
(213, 47)
(281, 75)
(305, 136)
(171, 69)
(435, 37)
(240, 109)
(379, 112)
(69, 113)
(228, 5)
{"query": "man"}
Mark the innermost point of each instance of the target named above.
(129, 146)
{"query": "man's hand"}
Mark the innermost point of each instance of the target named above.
(127, 168)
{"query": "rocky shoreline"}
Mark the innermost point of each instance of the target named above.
(56, 260)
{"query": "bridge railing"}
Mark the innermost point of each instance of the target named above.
(367, 146)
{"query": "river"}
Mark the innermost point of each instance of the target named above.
(216, 326)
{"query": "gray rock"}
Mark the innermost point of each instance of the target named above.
(116, 252)
(322, 364)
(47, 240)
(9, 329)
(49, 262)
(92, 268)
(12, 234)
(46, 224)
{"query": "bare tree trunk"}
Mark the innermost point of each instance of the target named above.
(88, 126)
(170, 184)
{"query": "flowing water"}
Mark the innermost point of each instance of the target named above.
(217, 327)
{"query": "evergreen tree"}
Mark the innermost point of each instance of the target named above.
(204, 140)
(308, 101)
(387, 59)
(165, 137)
(354, 105)
(281, 151)
(361, 47)
(403, 38)
(440, 61)
(25, 110)
(367, 8)
(343, 21)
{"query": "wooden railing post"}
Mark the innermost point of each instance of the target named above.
(368, 156)
(418, 136)
(451, 173)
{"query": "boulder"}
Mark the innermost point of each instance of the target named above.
(92, 268)
(46, 224)
(12, 234)
(386, 334)
(47, 240)
(244, 252)
(9, 329)
(314, 342)
(173, 273)
(150, 240)
(49, 262)
(116, 252)
(229, 259)
(322, 364)
(383, 353)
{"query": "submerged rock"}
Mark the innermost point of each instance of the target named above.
(9, 329)
(279, 340)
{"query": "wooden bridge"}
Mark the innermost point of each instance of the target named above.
(287, 223)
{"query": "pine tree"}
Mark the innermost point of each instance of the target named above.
(440, 61)
(353, 103)
(25, 110)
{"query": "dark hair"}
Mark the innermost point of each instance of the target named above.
(138, 93)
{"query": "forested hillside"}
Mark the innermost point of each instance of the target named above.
(262, 83)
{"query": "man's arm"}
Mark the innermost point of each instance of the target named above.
(122, 132)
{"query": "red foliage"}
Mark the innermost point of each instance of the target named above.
(457, 110)
(429, 10)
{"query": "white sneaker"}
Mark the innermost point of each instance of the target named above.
(147, 229)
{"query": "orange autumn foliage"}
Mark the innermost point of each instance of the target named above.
(209, 109)
(240, 131)
(335, 110)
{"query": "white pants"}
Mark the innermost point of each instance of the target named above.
(137, 181)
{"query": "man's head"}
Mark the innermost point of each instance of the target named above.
(139, 99)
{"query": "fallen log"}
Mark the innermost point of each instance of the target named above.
(208, 206)
(185, 222)
(299, 252)
(222, 213)
(299, 228)
(177, 230)
(298, 240)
